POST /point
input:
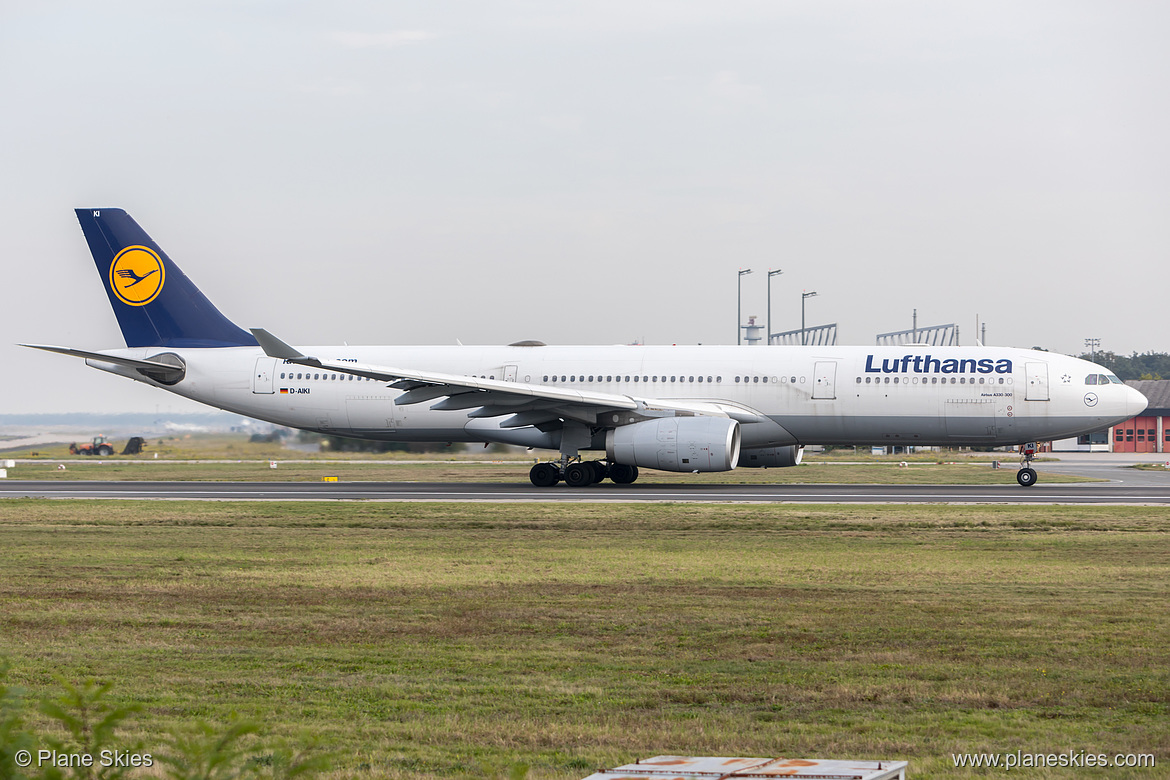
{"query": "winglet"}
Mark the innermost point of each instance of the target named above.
(274, 347)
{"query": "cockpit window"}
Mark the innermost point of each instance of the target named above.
(1091, 379)
(1101, 379)
(1114, 379)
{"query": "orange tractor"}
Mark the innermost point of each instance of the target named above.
(100, 446)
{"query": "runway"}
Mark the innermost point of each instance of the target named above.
(1077, 493)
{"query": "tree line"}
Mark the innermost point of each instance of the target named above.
(1149, 365)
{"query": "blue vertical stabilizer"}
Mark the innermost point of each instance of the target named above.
(155, 303)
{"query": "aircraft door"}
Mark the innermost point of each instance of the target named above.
(509, 373)
(1037, 376)
(263, 378)
(825, 379)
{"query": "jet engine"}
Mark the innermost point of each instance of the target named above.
(772, 457)
(676, 444)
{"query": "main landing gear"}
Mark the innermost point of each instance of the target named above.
(581, 473)
(1026, 476)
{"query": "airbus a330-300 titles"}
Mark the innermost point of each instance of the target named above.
(675, 408)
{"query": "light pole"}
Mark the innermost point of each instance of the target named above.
(739, 305)
(804, 296)
(1092, 344)
(777, 272)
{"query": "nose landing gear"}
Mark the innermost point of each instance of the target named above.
(1026, 476)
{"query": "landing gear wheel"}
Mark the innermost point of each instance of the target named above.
(544, 475)
(578, 475)
(623, 474)
(600, 472)
(1026, 477)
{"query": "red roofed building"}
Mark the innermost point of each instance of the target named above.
(1148, 432)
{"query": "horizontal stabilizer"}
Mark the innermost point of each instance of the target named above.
(147, 365)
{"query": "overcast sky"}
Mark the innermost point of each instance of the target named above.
(595, 172)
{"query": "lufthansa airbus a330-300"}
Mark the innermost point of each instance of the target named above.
(675, 408)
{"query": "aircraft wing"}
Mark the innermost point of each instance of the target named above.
(527, 404)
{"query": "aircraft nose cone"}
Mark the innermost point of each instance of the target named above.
(1135, 402)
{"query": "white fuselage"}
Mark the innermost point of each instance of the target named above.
(809, 395)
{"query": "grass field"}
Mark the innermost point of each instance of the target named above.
(914, 473)
(246, 461)
(461, 640)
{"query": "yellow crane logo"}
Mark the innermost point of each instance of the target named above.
(137, 275)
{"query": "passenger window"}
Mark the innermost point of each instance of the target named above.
(887, 380)
(691, 379)
(756, 379)
(635, 379)
(701, 379)
(867, 379)
(793, 380)
(627, 379)
(765, 380)
(962, 380)
(737, 379)
(895, 380)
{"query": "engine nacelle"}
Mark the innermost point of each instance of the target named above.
(676, 444)
(771, 457)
